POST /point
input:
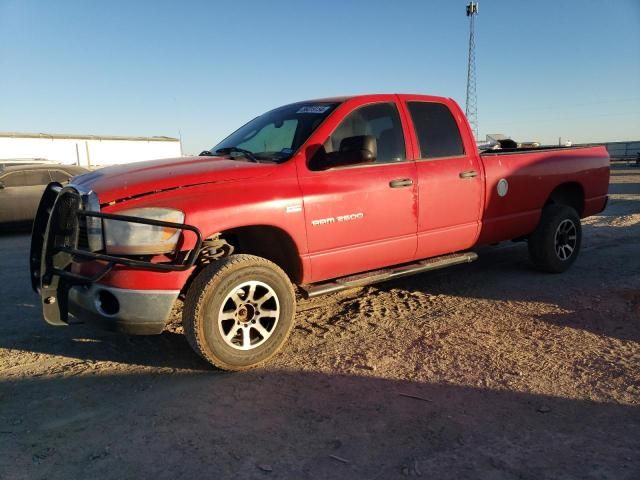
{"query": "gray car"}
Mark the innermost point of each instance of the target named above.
(21, 187)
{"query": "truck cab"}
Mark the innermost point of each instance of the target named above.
(324, 195)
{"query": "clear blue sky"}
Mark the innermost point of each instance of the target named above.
(546, 68)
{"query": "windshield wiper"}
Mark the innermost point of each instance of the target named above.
(245, 153)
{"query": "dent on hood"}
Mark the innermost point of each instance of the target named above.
(129, 181)
(152, 192)
(88, 179)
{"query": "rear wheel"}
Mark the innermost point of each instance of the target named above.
(239, 312)
(555, 244)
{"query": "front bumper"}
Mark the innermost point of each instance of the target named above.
(58, 243)
(134, 312)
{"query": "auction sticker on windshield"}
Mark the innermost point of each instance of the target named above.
(313, 109)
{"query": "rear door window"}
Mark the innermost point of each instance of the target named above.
(436, 129)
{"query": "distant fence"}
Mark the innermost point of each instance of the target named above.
(620, 151)
(623, 150)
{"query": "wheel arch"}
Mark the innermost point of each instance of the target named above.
(570, 194)
(270, 242)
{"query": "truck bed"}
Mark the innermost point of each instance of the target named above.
(533, 174)
(507, 151)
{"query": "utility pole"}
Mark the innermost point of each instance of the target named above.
(471, 108)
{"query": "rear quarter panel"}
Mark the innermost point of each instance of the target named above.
(532, 177)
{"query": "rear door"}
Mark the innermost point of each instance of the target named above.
(363, 216)
(450, 179)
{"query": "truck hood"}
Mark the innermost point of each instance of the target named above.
(141, 178)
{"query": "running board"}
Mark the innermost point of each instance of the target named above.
(367, 278)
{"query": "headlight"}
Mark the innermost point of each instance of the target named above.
(128, 238)
(93, 224)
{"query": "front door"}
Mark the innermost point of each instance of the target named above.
(360, 216)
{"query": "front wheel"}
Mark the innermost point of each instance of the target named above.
(239, 312)
(555, 244)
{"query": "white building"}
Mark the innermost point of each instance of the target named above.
(90, 151)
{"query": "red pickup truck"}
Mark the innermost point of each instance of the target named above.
(323, 194)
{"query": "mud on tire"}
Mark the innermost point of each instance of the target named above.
(555, 244)
(239, 311)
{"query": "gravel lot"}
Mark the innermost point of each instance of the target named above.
(488, 370)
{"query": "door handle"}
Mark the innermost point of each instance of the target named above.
(401, 182)
(468, 174)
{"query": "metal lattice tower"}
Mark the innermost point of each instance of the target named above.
(471, 108)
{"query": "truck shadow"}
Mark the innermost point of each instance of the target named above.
(306, 425)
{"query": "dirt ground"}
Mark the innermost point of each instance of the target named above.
(488, 370)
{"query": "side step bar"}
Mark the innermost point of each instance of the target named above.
(376, 276)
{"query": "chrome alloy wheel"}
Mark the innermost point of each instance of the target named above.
(565, 239)
(249, 315)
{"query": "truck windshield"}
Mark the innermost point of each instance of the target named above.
(277, 134)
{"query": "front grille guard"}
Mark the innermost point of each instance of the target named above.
(50, 261)
(176, 265)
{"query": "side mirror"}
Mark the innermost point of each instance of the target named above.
(1, 185)
(353, 151)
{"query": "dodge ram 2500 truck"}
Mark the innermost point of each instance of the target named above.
(323, 194)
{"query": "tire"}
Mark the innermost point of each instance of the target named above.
(239, 311)
(555, 243)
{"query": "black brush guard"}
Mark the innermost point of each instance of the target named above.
(57, 232)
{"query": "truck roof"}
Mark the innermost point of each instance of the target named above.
(374, 96)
